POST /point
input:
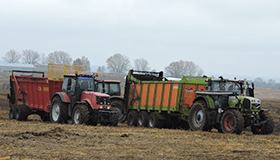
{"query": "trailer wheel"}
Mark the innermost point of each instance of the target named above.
(81, 114)
(266, 128)
(154, 122)
(132, 118)
(142, 119)
(232, 121)
(120, 108)
(12, 112)
(58, 111)
(198, 117)
(21, 112)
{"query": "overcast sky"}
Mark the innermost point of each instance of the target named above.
(222, 37)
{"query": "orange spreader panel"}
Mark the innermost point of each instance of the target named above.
(158, 94)
(151, 94)
(174, 95)
(144, 94)
(166, 95)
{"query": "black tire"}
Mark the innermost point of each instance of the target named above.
(266, 128)
(154, 121)
(58, 111)
(21, 112)
(115, 118)
(12, 112)
(232, 121)
(198, 117)
(120, 108)
(81, 114)
(184, 125)
(44, 116)
(132, 118)
(142, 119)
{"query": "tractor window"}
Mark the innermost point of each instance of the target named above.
(73, 84)
(64, 85)
(114, 89)
(233, 87)
(86, 83)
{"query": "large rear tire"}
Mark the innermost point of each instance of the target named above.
(115, 119)
(198, 117)
(81, 114)
(142, 119)
(21, 112)
(232, 121)
(132, 118)
(120, 108)
(59, 111)
(266, 128)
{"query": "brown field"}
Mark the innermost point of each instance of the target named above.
(34, 139)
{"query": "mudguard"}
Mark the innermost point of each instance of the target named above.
(209, 101)
(63, 96)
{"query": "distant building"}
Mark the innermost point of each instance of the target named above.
(7, 67)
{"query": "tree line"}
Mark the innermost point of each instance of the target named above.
(34, 57)
(121, 64)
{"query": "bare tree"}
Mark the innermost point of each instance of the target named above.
(141, 64)
(118, 63)
(86, 63)
(183, 68)
(101, 69)
(12, 56)
(59, 57)
(78, 62)
(44, 59)
(30, 57)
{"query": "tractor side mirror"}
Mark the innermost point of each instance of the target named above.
(209, 82)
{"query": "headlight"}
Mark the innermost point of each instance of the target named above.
(108, 107)
(256, 106)
(101, 107)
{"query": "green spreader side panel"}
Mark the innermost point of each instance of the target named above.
(163, 95)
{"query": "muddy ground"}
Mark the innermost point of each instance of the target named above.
(34, 139)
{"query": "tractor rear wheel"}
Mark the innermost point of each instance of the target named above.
(132, 118)
(59, 111)
(21, 112)
(115, 118)
(142, 119)
(232, 121)
(154, 121)
(120, 108)
(81, 114)
(198, 117)
(266, 128)
(12, 112)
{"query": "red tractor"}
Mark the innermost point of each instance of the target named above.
(74, 98)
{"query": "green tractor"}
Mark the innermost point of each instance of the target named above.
(229, 106)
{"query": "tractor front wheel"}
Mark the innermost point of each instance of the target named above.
(115, 118)
(58, 112)
(80, 114)
(198, 117)
(266, 128)
(232, 121)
